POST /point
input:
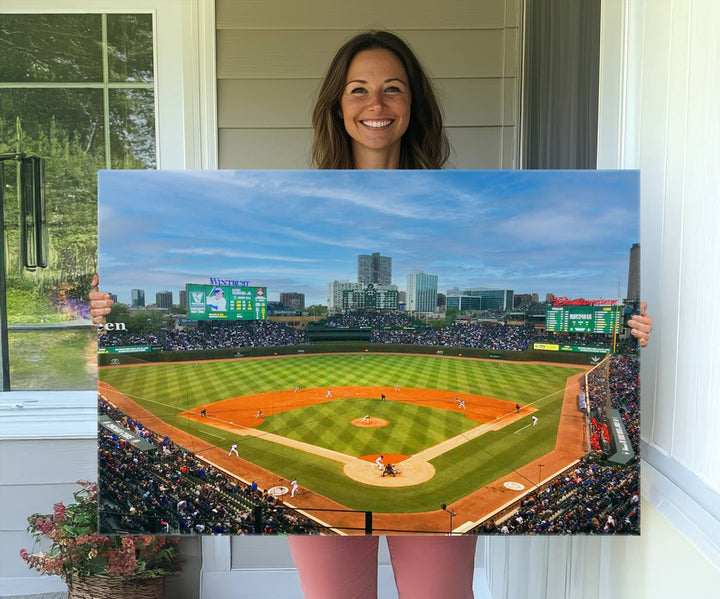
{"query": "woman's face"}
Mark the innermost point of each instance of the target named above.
(375, 103)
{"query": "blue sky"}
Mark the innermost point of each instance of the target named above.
(562, 232)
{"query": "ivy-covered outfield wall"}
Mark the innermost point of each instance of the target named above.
(340, 347)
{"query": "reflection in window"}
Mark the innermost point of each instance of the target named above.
(78, 91)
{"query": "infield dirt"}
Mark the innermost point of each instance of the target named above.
(238, 415)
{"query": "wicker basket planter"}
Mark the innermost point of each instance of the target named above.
(116, 587)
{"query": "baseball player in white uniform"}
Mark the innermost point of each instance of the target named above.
(535, 420)
(233, 450)
(293, 487)
(329, 393)
(379, 462)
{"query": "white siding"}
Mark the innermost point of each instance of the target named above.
(660, 81)
(36, 474)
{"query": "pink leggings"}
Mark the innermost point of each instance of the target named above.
(346, 567)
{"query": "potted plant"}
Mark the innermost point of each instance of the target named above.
(93, 565)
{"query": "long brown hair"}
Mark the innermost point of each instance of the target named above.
(424, 144)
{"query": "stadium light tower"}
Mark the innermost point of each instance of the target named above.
(451, 513)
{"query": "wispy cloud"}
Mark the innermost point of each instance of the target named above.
(538, 231)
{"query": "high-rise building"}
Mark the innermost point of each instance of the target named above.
(113, 297)
(292, 300)
(182, 299)
(633, 285)
(375, 269)
(164, 299)
(137, 298)
(421, 292)
(460, 301)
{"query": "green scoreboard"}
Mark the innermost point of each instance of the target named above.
(221, 302)
(582, 319)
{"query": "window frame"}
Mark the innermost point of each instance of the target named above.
(184, 85)
(184, 33)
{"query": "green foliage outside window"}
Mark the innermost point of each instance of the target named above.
(76, 90)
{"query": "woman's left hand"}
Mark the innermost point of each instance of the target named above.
(641, 325)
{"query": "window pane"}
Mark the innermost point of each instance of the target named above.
(53, 359)
(52, 342)
(132, 128)
(53, 121)
(130, 48)
(38, 48)
(65, 127)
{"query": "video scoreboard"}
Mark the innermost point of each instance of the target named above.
(222, 302)
(582, 319)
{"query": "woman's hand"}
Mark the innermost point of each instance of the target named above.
(99, 302)
(641, 325)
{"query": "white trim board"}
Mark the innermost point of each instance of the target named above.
(688, 504)
(48, 415)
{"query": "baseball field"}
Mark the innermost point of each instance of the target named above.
(321, 419)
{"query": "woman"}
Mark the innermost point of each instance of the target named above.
(377, 110)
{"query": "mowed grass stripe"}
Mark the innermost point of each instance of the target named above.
(219, 380)
(411, 428)
(459, 471)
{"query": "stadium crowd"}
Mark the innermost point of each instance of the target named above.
(624, 379)
(590, 499)
(594, 498)
(373, 319)
(483, 335)
(170, 490)
(387, 328)
(212, 335)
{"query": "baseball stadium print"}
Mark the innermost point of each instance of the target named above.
(369, 352)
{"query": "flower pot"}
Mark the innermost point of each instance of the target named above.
(116, 587)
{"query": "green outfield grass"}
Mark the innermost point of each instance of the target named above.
(168, 389)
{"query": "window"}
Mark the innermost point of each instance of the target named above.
(77, 90)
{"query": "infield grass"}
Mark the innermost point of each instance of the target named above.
(411, 427)
(168, 389)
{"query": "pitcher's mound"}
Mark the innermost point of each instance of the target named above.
(373, 422)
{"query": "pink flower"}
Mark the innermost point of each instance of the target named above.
(128, 543)
(121, 562)
(43, 526)
(59, 512)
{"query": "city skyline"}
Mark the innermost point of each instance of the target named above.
(567, 233)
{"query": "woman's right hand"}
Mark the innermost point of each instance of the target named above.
(99, 302)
